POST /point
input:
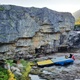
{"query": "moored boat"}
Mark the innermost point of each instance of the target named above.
(45, 63)
(55, 61)
(62, 60)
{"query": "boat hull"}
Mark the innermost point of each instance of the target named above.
(62, 60)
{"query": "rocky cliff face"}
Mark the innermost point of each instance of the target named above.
(26, 28)
(74, 39)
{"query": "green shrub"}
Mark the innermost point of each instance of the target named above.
(77, 27)
(1, 8)
(3, 74)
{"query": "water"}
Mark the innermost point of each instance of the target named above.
(35, 77)
(46, 72)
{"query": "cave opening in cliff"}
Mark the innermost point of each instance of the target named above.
(62, 49)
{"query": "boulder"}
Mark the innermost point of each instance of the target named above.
(28, 28)
(16, 21)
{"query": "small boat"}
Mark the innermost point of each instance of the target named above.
(62, 60)
(55, 61)
(44, 63)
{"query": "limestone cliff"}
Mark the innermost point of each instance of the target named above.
(24, 28)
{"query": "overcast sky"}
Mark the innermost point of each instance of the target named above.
(58, 5)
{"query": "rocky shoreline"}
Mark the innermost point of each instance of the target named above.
(36, 34)
(69, 72)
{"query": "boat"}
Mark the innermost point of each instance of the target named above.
(44, 63)
(62, 61)
(55, 61)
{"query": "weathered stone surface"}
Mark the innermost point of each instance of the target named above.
(40, 25)
(18, 22)
(74, 39)
(7, 48)
(24, 42)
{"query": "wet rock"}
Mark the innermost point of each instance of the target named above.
(16, 70)
(35, 71)
(64, 72)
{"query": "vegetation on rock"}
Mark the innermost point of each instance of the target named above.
(77, 22)
(1, 8)
(4, 74)
(11, 75)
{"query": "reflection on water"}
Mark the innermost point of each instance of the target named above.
(35, 77)
(46, 72)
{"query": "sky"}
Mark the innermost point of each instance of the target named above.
(58, 5)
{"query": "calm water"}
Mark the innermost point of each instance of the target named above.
(35, 77)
